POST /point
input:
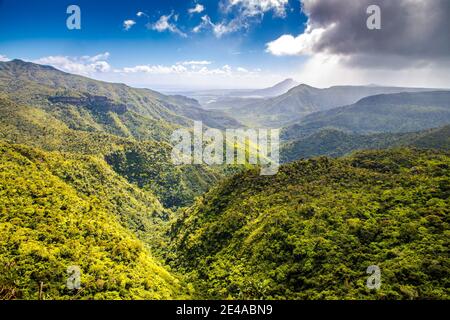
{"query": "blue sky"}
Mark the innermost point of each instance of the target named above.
(203, 44)
(33, 30)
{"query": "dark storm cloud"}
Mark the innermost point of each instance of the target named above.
(418, 30)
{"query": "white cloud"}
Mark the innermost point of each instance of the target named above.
(196, 62)
(86, 65)
(225, 28)
(3, 58)
(188, 68)
(183, 75)
(156, 69)
(164, 24)
(197, 9)
(252, 8)
(142, 14)
(288, 45)
(197, 68)
(241, 14)
(98, 57)
(128, 24)
(411, 49)
(206, 22)
(243, 70)
(219, 29)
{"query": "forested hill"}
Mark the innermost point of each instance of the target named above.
(86, 180)
(336, 143)
(144, 163)
(130, 128)
(59, 210)
(303, 100)
(311, 231)
(47, 87)
(393, 113)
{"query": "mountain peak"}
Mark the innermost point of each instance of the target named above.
(302, 87)
(286, 81)
(18, 63)
(15, 62)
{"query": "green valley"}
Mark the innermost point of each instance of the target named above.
(87, 181)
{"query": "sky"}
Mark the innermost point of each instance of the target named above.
(207, 44)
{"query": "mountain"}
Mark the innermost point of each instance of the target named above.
(174, 185)
(45, 86)
(336, 143)
(276, 90)
(55, 111)
(303, 100)
(224, 100)
(433, 139)
(402, 112)
(86, 181)
(61, 210)
(312, 231)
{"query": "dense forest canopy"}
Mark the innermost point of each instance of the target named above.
(312, 231)
(86, 181)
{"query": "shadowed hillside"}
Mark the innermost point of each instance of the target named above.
(336, 143)
(402, 112)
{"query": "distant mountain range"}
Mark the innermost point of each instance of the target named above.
(276, 90)
(400, 112)
(227, 99)
(302, 100)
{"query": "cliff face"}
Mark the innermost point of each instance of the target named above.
(94, 103)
